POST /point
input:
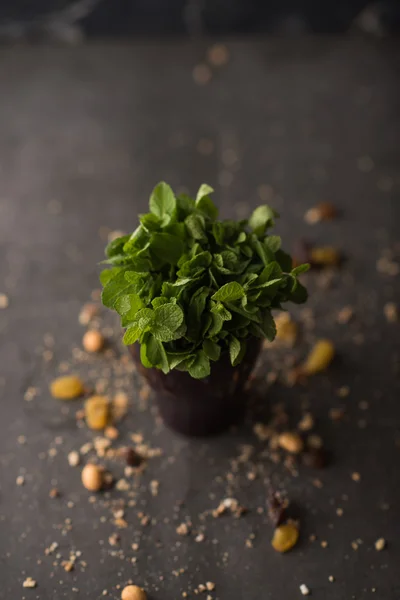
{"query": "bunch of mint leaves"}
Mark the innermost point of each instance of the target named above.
(189, 287)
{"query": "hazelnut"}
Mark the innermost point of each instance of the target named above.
(92, 477)
(93, 341)
(133, 592)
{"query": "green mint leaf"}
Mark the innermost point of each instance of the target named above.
(216, 325)
(205, 204)
(107, 274)
(127, 307)
(299, 295)
(195, 225)
(204, 190)
(300, 269)
(132, 334)
(162, 201)
(262, 218)
(156, 302)
(144, 318)
(116, 246)
(284, 261)
(137, 241)
(167, 247)
(195, 310)
(151, 222)
(218, 232)
(273, 242)
(115, 288)
(234, 349)
(200, 368)
(185, 206)
(219, 309)
(271, 271)
(177, 358)
(202, 260)
(167, 320)
(268, 326)
(212, 349)
(143, 353)
(156, 355)
(245, 313)
(229, 292)
(263, 252)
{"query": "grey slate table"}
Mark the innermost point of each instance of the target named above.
(85, 134)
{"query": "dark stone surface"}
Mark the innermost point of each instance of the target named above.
(85, 134)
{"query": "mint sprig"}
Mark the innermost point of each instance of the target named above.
(189, 287)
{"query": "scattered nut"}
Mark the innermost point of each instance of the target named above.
(285, 537)
(324, 256)
(93, 341)
(286, 329)
(391, 312)
(111, 432)
(306, 422)
(119, 406)
(97, 412)
(133, 592)
(74, 459)
(202, 74)
(324, 211)
(291, 442)
(67, 387)
(182, 529)
(29, 583)
(88, 312)
(304, 590)
(92, 477)
(3, 301)
(345, 314)
(210, 585)
(218, 55)
(380, 544)
(319, 358)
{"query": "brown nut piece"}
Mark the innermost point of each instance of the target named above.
(133, 592)
(324, 211)
(285, 537)
(66, 387)
(291, 442)
(97, 412)
(93, 341)
(92, 477)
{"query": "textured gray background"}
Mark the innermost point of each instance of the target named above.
(85, 134)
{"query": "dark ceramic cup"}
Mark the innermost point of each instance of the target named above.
(201, 407)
